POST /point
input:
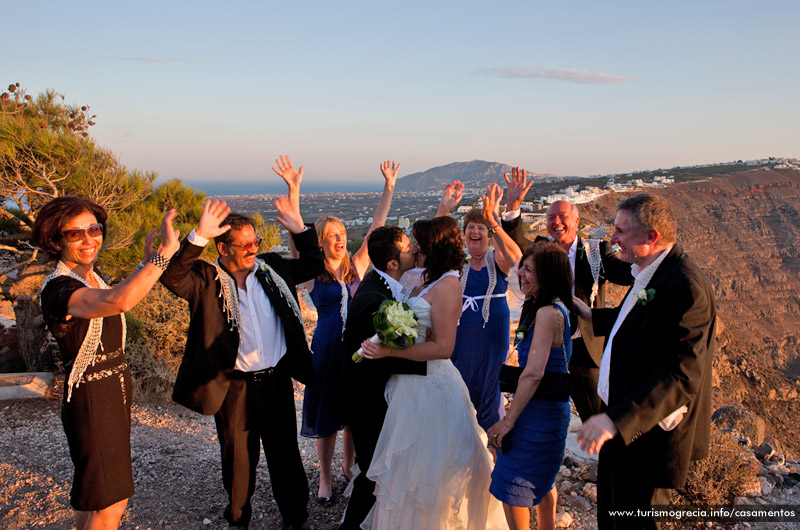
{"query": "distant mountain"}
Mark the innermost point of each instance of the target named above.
(474, 173)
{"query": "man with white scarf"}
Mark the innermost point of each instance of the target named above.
(655, 373)
(246, 342)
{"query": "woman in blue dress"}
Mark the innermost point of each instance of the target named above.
(332, 293)
(482, 339)
(524, 475)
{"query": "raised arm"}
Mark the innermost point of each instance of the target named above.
(291, 176)
(517, 186)
(509, 252)
(95, 303)
(452, 195)
(180, 277)
(389, 170)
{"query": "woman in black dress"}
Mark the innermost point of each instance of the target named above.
(86, 318)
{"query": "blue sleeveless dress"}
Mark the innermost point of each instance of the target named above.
(524, 475)
(322, 411)
(480, 351)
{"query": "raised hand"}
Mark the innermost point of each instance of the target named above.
(214, 213)
(491, 202)
(288, 215)
(291, 176)
(149, 248)
(518, 187)
(169, 236)
(451, 196)
(390, 172)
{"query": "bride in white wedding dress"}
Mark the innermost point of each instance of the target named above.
(431, 466)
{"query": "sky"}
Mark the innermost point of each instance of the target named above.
(216, 91)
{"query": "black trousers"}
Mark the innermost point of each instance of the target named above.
(261, 412)
(365, 429)
(621, 486)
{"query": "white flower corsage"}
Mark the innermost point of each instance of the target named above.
(646, 295)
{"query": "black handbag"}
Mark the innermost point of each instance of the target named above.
(554, 386)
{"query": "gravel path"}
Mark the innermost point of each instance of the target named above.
(176, 472)
(177, 475)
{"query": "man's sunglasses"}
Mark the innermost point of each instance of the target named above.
(253, 245)
(77, 234)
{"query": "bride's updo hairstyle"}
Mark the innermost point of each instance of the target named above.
(553, 274)
(440, 240)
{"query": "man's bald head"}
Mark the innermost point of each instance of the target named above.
(562, 222)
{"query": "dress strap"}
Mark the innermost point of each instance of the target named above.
(443, 276)
(566, 332)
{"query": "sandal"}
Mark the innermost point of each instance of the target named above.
(344, 474)
(327, 501)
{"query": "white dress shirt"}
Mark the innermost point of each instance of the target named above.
(262, 341)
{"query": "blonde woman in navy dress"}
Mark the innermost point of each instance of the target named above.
(332, 293)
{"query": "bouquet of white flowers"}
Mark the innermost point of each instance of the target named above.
(396, 326)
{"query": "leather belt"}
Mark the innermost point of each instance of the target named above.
(259, 375)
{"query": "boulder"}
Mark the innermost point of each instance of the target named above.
(778, 459)
(764, 451)
(577, 503)
(741, 420)
(590, 491)
(563, 520)
(766, 486)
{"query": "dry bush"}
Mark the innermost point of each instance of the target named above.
(157, 329)
(728, 472)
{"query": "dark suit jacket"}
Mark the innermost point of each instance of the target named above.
(212, 346)
(613, 270)
(661, 360)
(365, 382)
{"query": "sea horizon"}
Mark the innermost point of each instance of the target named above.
(272, 186)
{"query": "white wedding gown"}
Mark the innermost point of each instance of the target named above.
(431, 465)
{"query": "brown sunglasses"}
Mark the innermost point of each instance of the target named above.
(76, 234)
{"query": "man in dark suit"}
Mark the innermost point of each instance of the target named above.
(391, 254)
(593, 264)
(655, 374)
(246, 341)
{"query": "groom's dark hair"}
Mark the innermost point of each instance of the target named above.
(382, 246)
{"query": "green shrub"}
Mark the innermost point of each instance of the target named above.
(157, 329)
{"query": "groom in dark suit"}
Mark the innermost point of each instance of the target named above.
(246, 341)
(655, 373)
(365, 407)
(593, 264)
